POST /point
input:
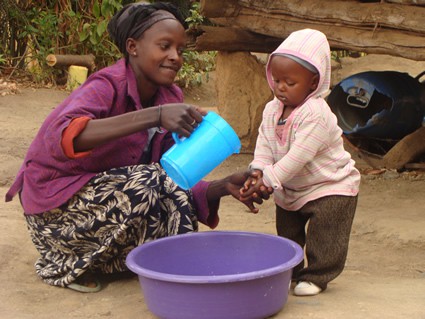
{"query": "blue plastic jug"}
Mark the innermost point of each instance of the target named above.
(192, 158)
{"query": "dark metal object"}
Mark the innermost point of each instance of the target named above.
(376, 109)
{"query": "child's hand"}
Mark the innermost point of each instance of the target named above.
(254, 189)
(254, 175)
(235, 182)
(248, 184)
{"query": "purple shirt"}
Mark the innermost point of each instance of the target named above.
(47, 178)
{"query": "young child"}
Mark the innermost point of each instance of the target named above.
(300, 154)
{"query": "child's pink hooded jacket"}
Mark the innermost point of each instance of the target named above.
(309, 161)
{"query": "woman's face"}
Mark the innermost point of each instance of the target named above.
(158, 55)
(292, 82)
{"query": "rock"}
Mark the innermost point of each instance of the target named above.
(242, 92)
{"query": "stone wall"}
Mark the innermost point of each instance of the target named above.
(242, 92)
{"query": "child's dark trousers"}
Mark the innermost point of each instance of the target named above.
(325, 238)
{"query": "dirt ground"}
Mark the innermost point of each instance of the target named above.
(384, 275)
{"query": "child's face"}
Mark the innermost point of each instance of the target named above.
(292, 82)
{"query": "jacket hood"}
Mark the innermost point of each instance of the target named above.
(311, 46)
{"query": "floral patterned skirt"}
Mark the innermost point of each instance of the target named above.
(115, 212)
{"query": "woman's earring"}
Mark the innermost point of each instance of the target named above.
(134, 53)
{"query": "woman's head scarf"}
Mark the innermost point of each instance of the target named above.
(134, 19)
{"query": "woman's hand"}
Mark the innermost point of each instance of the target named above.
(180, 118)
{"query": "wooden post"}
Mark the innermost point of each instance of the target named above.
(64, 61)
(406, 150)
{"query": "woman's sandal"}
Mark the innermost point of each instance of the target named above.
(85, 284)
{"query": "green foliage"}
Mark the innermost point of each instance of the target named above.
(93, 35)
(61, 27)
(80, 27)
(195, 18)
(40, 34)
(43, 27)
(197, 65)
(338, 54)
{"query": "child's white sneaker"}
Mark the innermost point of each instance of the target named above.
(306, 288)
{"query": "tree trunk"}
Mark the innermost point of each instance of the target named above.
(409, 2)
(208, 38)
(406, 150)
(379, 28)
(341, 12)
(61, 61)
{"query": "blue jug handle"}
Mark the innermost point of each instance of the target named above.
(176, 137)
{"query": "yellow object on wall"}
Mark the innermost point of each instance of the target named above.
(76, 76)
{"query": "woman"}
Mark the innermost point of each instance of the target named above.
(91, 186)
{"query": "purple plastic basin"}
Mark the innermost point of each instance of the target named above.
(215, 274)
